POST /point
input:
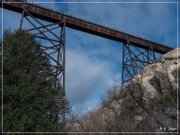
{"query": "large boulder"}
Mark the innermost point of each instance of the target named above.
(174, 54)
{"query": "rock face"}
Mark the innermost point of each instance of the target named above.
(157, 79)
(149, 104)
(160, 84)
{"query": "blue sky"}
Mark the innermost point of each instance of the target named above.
(93, 64)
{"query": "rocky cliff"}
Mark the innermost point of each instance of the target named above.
(148, 104)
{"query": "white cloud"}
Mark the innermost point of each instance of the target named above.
(91, 64)
(85, 76)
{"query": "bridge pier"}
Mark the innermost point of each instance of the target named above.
(134, 60)
(52, 41)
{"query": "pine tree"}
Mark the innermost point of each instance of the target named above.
(30, 100)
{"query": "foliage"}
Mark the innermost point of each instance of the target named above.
(111, 94)
(124, 110)
(30, 100)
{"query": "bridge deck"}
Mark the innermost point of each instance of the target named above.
(83, 25)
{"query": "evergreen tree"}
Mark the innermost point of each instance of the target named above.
(30, 100)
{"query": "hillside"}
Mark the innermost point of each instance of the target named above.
(148, 104)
